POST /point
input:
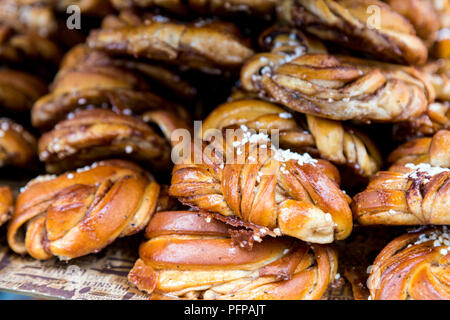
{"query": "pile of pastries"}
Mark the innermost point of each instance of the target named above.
(357, 90)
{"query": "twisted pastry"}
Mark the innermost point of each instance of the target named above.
(91, 79)
(206, 46)
(19, 90)
(438, 74)
(81, 57)
(423, 16)
(81, 212)
(419, 195)
(172, 263)
(436, 118)
(369, 26)
(285, 192)
(6, 203)
(282, 45)
(319, 137)
(17, 146)
(432, 150)
(97, 134)
(414, 266)
(344, 88)
(216, 7)
(23, 48)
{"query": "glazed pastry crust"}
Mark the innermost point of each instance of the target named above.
(412, 268)
(83, 211)
(355, 24)
(415, 190)
(21, 47)
(437, 117)
(300, 199)
(345, 88)
(432, 150)
(6, 204)
(98, 134)
(19, 90)
(422, 15)
(17, 146)
(322, 137)
(172, 263)
(205, 46)
(95, 79)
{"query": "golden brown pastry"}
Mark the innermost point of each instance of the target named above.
(216, 7)
(81, 57)
(319, 137)
(283, 45)
(416, 193)
(6, 204)
(436, 118)
(19, 90)
(423, 16)
(255, 181)
(26, 48)
(433, 150)
(173, 263)
(28, 16)
(369, 26)
(83, 211)
(415, 266)
(438, 74)
(208, 46)
(17, 146)
(99, 134)
(345, 88)
(94, 80)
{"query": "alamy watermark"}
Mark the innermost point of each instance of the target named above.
(73, 22)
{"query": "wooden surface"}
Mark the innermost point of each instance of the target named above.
(93, 277)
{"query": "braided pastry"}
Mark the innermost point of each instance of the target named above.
(6, 203)
(417, 195)
(19, 90)
(100, 82)
(17, 146)
(81, 212)
(208, 46)
(438, 74)
(97, 134)
(432, 150)
(282, 45)
(423, 16)
(319, 137)
(216, 7)
(286, 192)
(162, 78)
(23, 48)
(436, 118)
(414, 266)
(344, 88)
(369, 26)
(172, 263)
